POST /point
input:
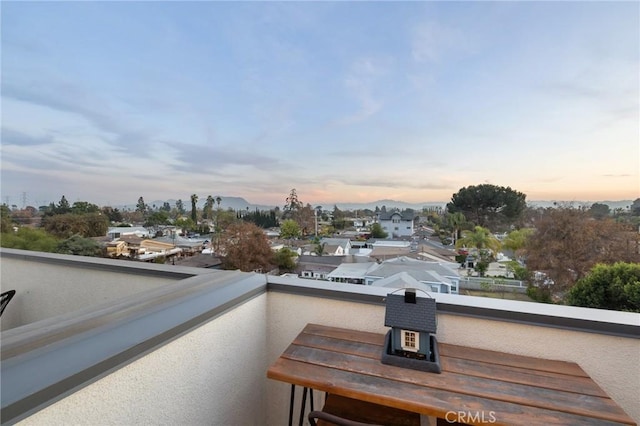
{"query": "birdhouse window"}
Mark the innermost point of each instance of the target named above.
(410, 341)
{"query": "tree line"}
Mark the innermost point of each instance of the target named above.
(555, 249)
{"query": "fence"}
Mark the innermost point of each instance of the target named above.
(492, 284)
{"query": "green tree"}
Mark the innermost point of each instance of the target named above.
(285, 259)
(516, 240)
(289, 229)
(481, 267)
(292, 205)
(82, 207)
(185, 224)
(613, 287)
(141, 207)
(66, 225)
(456, 222)
(519, 272)
(599, 210)
(377, 231)
(225, 218)
(63, 206)
(27, 238)
(488, 204)
(194, 212)
(114, 215)
(157, 218)
(319, 248)
(180, 207)
(79, 246)
(481, 239)
(97, 225)
(5, 215)
(207, 212)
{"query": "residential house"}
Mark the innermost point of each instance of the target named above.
(389, 249)
(200, 260)
(439, 276)
(352, 273)
(121, 231)
(336, 246)
(117, 248)
(316, 267)
(397, 223)
(189, 246)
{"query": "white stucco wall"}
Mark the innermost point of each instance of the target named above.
(613, 362)
(214, 375)
(45, 290)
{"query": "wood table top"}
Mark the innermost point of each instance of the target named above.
(485, 386)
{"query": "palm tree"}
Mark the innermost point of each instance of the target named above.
(208, 208)
(480, 238)
(456, 221)
(217, 228)
(194, 213)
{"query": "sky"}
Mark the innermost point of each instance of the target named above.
(344, 101)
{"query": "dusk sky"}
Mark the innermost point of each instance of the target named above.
(343, 101)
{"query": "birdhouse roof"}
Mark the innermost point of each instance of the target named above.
(419, 316)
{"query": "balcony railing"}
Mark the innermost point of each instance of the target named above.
(95, 341)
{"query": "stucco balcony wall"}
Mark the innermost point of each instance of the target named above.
(61, 284)
(194, 345)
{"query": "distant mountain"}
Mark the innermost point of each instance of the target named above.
(235, 203)
(389, 204)
(622, 204)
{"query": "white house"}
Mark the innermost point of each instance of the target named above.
(396, 223)
(120, 231)
(336, 246)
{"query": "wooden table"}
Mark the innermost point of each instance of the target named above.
(479, 385)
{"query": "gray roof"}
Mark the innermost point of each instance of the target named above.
(405, 215)
(343, 242)
(350, 270)
(181, 241)
(416, 267)
(419, 316)
(399, 280)
(410, 280)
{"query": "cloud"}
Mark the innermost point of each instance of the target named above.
(218, 159)
(397, 182)
(14, 137)
(361, 82)
(431, 41)
(71, 98)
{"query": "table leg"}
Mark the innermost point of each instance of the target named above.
(303, 406)
(291, 402)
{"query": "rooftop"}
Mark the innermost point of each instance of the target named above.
(101, 341)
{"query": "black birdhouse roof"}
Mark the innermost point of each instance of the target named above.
(418, 316)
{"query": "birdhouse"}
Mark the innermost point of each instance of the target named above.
(411, 341)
